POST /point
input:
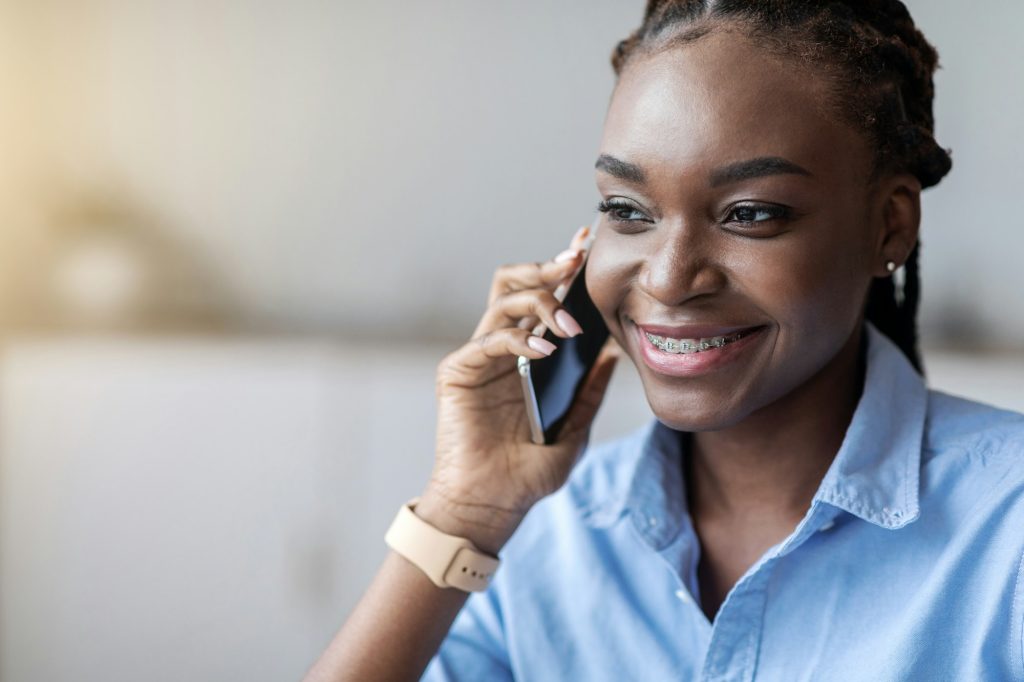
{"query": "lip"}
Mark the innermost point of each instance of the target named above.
(693, 331)
(695, 364)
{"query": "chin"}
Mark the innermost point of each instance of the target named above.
(706, 418)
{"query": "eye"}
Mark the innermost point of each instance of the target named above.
(747, 215)
(621, 211)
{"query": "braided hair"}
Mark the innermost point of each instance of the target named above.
(878, 67)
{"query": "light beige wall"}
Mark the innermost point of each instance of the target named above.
(187, 509)
(363, 167)
(354, 166)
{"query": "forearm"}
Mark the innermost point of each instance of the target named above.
(395, 629)
(403, 617)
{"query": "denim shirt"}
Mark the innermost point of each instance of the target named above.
(908, 565)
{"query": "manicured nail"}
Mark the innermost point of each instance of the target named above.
(542, 345)
(568, 325)
(581, 233)
(566, 255)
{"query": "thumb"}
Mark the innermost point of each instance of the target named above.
(584, 409)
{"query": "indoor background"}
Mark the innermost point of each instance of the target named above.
(236, 237)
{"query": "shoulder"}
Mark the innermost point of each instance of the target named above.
(593, 498)
(972, 477)
(972, 467)
(989, 436)
(598, 485)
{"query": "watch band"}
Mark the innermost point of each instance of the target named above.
(448, 560)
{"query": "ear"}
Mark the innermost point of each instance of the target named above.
(899, 198)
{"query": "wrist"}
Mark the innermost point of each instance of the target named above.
(486, 526)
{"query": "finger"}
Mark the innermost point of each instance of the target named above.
(480, 354)
(579, 240)
(584, 409)
(509, 309)
(531, 322)
(544, 275)
(573, 255)
(578, 243)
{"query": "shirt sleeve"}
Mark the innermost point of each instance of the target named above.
(475, 648)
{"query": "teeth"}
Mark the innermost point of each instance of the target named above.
(687, 346)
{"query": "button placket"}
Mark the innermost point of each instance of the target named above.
(736, 632)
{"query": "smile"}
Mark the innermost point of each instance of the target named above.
(686, 346)
(690, 357)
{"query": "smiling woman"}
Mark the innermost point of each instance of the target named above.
(764, 215)
(803, 506)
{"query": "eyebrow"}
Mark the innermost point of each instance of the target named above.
(621, 169)
(755, 168)
(734, 172)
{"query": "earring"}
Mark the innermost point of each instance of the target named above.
(899, 281)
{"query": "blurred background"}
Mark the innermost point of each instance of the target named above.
(236, 237)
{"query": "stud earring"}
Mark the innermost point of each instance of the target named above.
(899, 281)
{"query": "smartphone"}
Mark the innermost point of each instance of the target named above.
(551, 384)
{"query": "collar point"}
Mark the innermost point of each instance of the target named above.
(894, 519)
(888, 517)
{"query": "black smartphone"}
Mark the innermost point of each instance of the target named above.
(550, 384)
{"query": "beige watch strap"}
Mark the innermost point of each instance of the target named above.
(448, 560)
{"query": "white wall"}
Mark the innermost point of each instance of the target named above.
(972, 240)
(200, 509)
(363, 167)
(197, 509)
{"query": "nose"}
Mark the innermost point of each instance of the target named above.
(683, 266)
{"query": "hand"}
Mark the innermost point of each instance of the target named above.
(487, 472)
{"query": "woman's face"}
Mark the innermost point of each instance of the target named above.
(741, 216)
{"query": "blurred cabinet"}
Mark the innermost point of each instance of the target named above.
(200, 509)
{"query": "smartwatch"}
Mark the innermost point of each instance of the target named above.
(448, 560)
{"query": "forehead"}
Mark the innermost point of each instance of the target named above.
(723, 99)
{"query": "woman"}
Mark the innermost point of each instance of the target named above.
(803, 507)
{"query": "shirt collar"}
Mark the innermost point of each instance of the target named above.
(875, 474)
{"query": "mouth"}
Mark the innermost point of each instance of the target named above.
(689, 351)
(695, 345)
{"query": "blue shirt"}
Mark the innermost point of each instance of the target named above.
(909, 564)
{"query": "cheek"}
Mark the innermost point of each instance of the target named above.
(813, 288)
(610, 269)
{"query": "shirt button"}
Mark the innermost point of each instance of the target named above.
(652, 521)
(682, 595)
(827, 525)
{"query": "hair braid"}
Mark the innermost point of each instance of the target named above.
(879, 67)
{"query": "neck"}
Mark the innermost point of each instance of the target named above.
(769, 466)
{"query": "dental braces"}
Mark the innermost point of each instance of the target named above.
(688, 346)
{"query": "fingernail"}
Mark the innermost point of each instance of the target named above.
(568, 325)
(581, 233)
(566, 255)
(541, 345)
